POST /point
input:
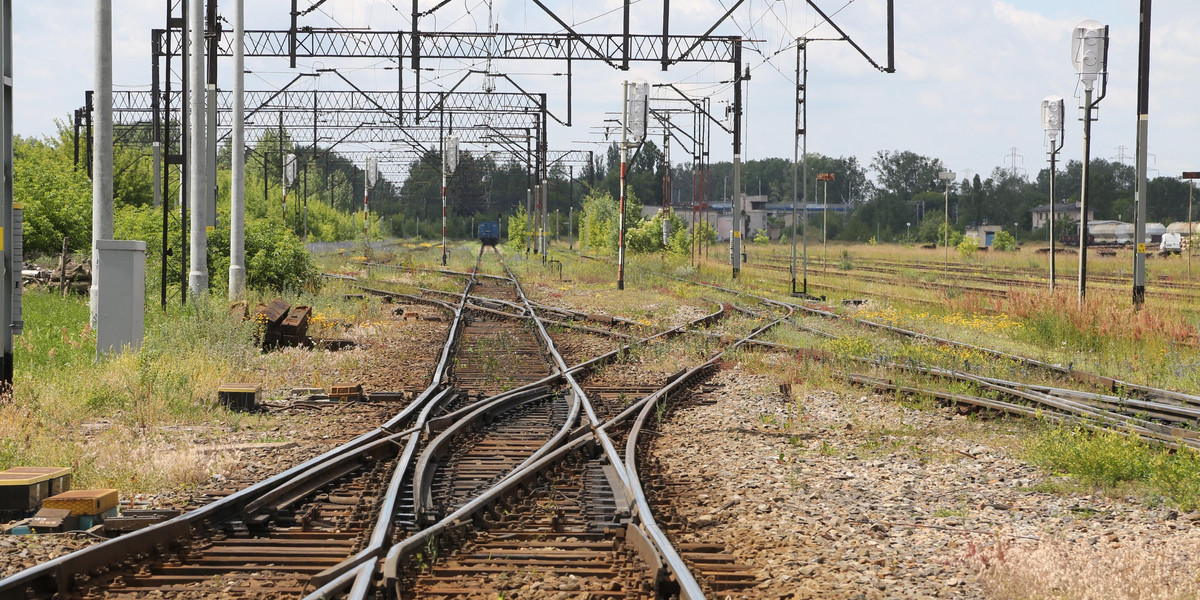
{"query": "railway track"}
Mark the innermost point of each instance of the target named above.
(1156, 415)
(503, 465)
(968, 278)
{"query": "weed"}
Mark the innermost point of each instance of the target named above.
(1117, 462)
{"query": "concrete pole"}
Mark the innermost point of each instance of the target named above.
(1143, 125)
(102, 157)
(237, 195)
(210, 192)
(197, 182)
(545, 217)
(795, 161)
(621, 210)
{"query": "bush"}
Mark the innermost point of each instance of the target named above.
(1004, 242)
(517, 224)
(967, 247)
(276, 259)
(760, 237)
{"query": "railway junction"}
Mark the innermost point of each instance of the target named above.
(513, 416)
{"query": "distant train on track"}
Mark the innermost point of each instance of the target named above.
(489, 233)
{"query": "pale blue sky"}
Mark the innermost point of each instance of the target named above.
(970, 73)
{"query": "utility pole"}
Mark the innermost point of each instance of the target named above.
(102, 156)
(237, 193)
(801, 132)
(10, 297)
(197, 184)
(825, 178)
(1191, 177)
(735, 237)
(214, 36)
(1143, 125)
(947, 176)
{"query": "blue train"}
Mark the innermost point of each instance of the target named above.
(489, 233)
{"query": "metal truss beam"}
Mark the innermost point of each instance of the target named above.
(336, 43)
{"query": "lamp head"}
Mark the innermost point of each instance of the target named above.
(1052, 117)
(1089, 51)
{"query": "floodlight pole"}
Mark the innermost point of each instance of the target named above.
(1091, 62)
(1143, 124)
(621, 210)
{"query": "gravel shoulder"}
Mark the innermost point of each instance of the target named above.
(861, 497)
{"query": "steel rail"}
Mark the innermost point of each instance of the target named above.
(999, 405)
(1111, 383)
(438, 447)
(427, 402)
(1067, 400)
(689, 588)
(355, 572)
(57, 576)
(458, 518)
(1058, 399)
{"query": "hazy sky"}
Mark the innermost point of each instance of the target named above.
(970, 73)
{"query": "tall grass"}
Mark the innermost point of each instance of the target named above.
(111, 419)
(1054, 320)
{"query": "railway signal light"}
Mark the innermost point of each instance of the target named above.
(372, 171)
(638, 99)
(289, 170)
(1089, 54)
(1052, 117)
(1052, 123)
(450, 148)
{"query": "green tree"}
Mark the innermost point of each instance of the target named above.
(57, 198)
